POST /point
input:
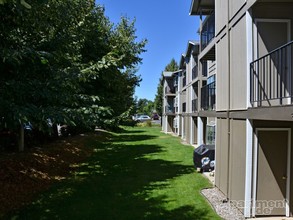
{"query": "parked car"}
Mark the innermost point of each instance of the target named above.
(135, 117)
(204, 157)
(143, 118)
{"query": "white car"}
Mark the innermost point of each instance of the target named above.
(143, 118)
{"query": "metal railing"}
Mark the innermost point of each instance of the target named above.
(169, 109)
(204, 68)
(194, 105)
(184, 81)
(194, 72)
(169, 90)
(271, 78)
(208, 31)
(208, 96)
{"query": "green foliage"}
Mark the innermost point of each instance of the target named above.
(66, 61)
(144, 124)
(172, 66)
(145, 106)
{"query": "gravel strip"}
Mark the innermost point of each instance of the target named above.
(224, 208)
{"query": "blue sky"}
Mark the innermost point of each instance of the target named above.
(166, 25)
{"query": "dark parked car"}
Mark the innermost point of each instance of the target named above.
(156, 117)
(204, 157)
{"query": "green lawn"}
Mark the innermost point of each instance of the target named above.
(140, 173)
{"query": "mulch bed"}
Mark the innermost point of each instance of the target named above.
(24, 175)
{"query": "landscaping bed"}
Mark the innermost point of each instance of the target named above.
(24, 175)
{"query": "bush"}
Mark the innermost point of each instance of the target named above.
(145, 124)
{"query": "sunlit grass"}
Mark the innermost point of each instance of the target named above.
(140, 173)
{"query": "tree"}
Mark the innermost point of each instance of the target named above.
(145, 106)
(158, 102)
(65, 61)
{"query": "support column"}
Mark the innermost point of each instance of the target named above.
(200, 128)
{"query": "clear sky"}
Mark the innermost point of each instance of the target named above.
(166, 25)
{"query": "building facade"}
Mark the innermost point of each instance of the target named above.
(244, 98)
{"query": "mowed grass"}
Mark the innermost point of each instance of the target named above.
(139, 173)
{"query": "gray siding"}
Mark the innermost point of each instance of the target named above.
(235, 6)
(222, 74)
(221, 174)
(221, 15)
(237, 160)
(238, 66)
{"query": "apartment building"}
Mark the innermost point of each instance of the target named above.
(250, 45)
(234, 89)
(180, 110)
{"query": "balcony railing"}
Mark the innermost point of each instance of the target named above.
(184, 81)
(169, 90)
(169, 109)
(271, 78)
(208, 96)
(204, 68)
(194, 72)
(194, 105)
(208, 31)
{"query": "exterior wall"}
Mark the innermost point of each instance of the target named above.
(222, 81)
(187, 128)
(234, 7)
(279, 124)
(222, 152)
(237, 160)
(221, 15)
(194, 121)
(170, 124)
(238, 66)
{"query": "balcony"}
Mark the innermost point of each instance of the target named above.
(169, 90)
(184, 81)
(271, 78)
(184, 107)
(204, 68)
(208, 31)
(208, 97)
(194, 104)
(169, 109)
(194, 72)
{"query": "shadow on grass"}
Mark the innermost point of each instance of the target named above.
(114, 184)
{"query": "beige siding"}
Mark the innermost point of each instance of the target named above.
(237, 160)
(221, 18)
(222, 74)
(235, 6)
(222, 155)
(238, 66)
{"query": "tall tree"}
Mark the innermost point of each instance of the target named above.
(55, 56)
(158, 102)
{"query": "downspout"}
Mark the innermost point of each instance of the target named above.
(190, 99)
(249, 127)
(228, 111)
(179, 103)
